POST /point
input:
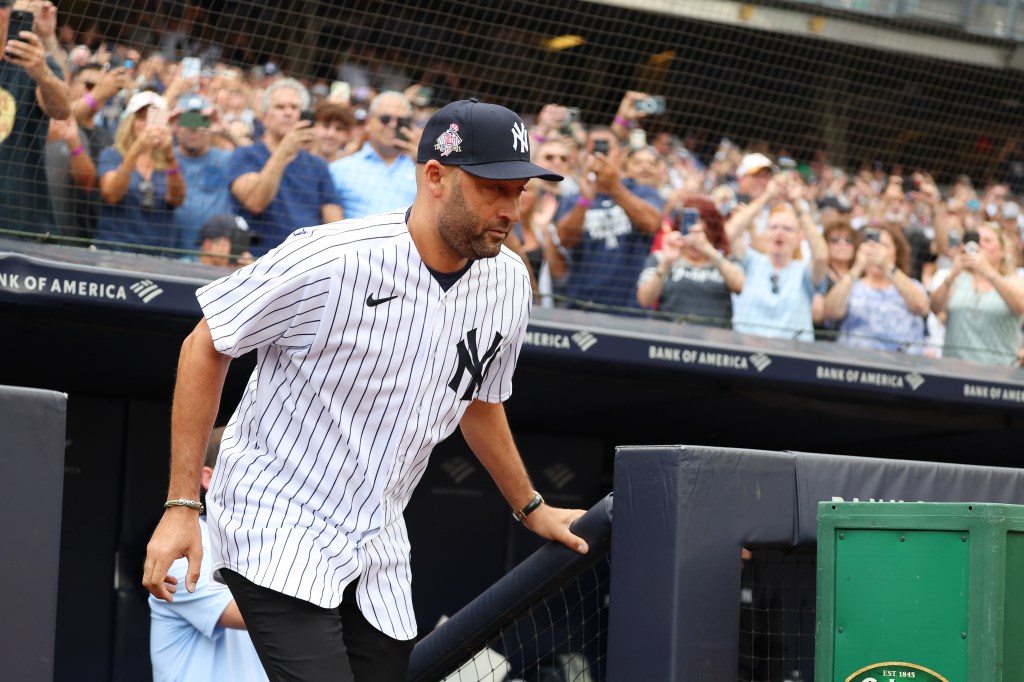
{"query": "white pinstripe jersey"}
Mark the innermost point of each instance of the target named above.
(347, 401)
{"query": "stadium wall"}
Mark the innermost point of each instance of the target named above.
(683, 513)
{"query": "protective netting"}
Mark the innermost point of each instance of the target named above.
(182, 137)
(561, 638)
(777, 616)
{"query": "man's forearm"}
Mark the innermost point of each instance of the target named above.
(257, 190)
(645, 216)
(197, 391)
(570, 227)
(52, 94)
(487, 433)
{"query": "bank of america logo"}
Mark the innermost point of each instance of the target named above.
(584, 340)
(146, 289)
(458, 469)
(760, 361)
(559, 475)
(914, 380)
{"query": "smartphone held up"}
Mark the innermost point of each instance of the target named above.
(20, 21)
(157, 118)
(684, 219)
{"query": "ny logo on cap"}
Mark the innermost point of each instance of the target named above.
(520, 140)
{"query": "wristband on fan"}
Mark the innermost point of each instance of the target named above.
(625, 123)
(78, 151)
(584, 202)
(91, 101)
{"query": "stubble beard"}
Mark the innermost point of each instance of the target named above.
(457, 224)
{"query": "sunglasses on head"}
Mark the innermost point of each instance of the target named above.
(400, 121)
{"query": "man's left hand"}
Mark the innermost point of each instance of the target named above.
(553, 523)
(45, 25)
(28, 53)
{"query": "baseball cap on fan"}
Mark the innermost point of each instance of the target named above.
(485, 140)
(753, 163)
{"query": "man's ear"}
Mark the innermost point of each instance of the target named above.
(434, 175)
(207, 475)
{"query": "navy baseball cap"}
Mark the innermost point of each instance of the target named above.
(485, 140)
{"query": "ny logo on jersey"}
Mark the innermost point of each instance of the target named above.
(470, 361)
(520, 140)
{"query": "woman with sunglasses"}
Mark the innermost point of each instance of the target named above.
(692, 275)
(983, 298)
(140, 184)
(877, 303)
(840, 237)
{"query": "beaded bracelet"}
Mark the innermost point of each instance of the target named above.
(184, 502)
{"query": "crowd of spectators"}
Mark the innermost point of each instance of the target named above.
(154, 152)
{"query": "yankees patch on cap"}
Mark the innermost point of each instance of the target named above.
(486, 140)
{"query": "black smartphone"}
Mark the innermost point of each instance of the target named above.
(402, 123)
(873, 235)
(601, 147)
(306, 116)
(20, 21)
(688, 217)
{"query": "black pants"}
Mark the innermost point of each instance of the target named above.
(300, 641)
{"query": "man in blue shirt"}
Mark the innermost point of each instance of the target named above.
(381, 176)
(204, 168)
(608, 228)
(201, 634)
(276, 185)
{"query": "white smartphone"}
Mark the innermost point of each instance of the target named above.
(157, 118)
(191, 67)
(341, 92)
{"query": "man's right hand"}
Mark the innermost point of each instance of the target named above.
(110, 83)
(177, 535)
(298, 138)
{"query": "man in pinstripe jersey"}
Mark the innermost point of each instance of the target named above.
(375, 339)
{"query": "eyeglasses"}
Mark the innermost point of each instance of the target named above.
(774, 278)
(840, 240)
(780, 226)
(400, 122)
(552, 157)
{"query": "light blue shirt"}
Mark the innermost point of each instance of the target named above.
(206, 193)
(368, 185)
(185, 642)
(879, 318)
(775, 303)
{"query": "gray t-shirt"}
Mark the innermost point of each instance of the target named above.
(697, 292)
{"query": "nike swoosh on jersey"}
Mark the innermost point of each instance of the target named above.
(373, 302)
